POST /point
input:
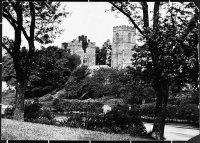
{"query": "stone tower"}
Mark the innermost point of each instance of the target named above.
(84, 48)
(123, 41)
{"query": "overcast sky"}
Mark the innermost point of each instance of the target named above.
(87, 18)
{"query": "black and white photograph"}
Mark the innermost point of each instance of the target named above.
(100, 72)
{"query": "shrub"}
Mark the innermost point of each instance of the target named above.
(147, 110)
(9, 111)
(32, 110)
(58, 105)
(188, 112)
(171, 112)
(46, 114)
(184, 112)
(77, 105)
(43, 121)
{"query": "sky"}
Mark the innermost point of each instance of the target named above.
(86, 18)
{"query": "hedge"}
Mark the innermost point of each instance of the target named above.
(77, 105)
(188, 112)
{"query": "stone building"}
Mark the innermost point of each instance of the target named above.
(123, 41)
(84, 48)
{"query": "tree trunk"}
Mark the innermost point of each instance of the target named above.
(19, 104)
(20, 91)
(31, 47)
(161, 88)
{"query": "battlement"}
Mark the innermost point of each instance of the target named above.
(123, 27)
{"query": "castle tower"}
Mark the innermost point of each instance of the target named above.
(123, 41)
(84, 48)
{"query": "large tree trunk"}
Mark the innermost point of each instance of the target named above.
(19, 102)
(161, 88)
(20, 90)
(20, 76)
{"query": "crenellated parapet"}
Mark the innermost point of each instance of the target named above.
(123, 28)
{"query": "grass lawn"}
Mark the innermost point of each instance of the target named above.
(15, 130)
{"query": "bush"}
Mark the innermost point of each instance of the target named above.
(184, 112)
(188, 112)
(46, 114)
(147, 110)
(120, 120)
(58, 105)
(32, 110)
(171, 112)
(77, 105)
(9, 111)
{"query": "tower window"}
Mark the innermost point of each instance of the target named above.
(117, 37)
(85, 61)
(129, 37)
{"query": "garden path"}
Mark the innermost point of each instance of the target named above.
(177, 132)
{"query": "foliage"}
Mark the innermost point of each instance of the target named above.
(188, 112)
(32, 110)
(147, 110)
(77, 105)
(38, 21)
(47, 16)
(8, 71)
(47, 114)
(120, 120)
(9, 111)
(52, 69)
(103, 55)
(58, 105)
(107, 82)
(73, 84)
(183, 112)
(169, 53)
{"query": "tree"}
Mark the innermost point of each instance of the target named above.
(103, 55)
(37, 21)
(163, 60)
(52, 69)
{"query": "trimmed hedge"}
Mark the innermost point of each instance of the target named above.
(32, 111)
(183, 112)
(119, 120)
(77, 105)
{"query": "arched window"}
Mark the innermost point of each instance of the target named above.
(129, 37)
